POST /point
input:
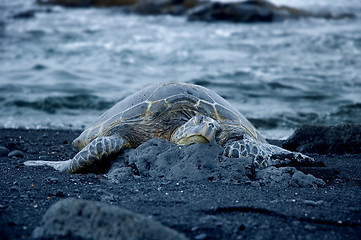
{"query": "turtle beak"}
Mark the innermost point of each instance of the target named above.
(208, 130)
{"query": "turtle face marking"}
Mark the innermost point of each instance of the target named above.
(199, 129)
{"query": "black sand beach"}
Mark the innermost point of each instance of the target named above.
(202, 209)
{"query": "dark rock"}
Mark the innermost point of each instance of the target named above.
(25, 14)
(327, 174)
(4, 151)
(89, 3)
(245, 11)
(235, 12)
(84, 219)
(340, 139)
(252, 11)
(16, 153)
(286, 177)
(157, 158)
(161, 159)
(173, 7)
(121, 174)
(30, 13)
(299, 179)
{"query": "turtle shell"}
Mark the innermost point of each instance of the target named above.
(148, 103)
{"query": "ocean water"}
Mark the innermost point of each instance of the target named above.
(63, 67)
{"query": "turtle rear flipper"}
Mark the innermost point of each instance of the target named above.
(100, 149)
(57, 165)
(263, 154)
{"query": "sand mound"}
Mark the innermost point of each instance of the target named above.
(157, 158)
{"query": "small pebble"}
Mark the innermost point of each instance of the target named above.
(11, 223)
(241, 227)
(32, 151)
(3, 151)
(24, 197)
(313, 203)
(51, 180)
(194, 229)
(15, 188)
(3, 206)
(248, 182)
(16, 153)
(60, 193)
(337, 180)
(310, 227)
(201, 236)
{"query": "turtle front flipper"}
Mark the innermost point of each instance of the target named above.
(263, 154)
(198, 129)
(101, 148)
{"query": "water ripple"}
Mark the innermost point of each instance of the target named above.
(52, 105)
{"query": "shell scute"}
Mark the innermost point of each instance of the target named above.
(156, 108)
(206, 108)
(179, 98)
(225, 113)
(138, 97)
(201, 93)
(135, 112)
(112, 121)
(162, 92)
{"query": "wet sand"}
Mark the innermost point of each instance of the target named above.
(202, 209)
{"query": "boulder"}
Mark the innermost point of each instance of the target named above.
(287, 177)
(82, 219)
(245, 11)
(340, 139)
(234, 12)
(157, 158)
(172, 7)
(252, 11)
(88, 3)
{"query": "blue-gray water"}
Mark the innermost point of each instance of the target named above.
(64, 67)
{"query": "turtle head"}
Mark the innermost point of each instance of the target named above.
(79, 143)
(199, 129)
(86, 137)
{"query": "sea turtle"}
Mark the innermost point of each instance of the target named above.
(177, 112)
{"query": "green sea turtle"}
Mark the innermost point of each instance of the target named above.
(177, 112)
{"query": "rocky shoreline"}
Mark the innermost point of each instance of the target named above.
(179, 207)
(199, 10)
